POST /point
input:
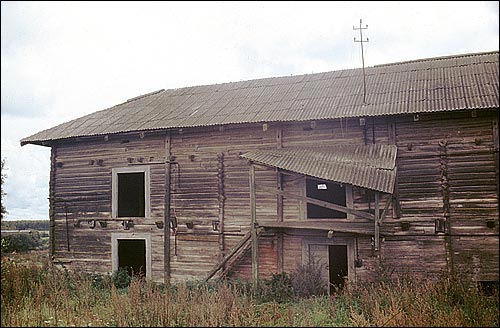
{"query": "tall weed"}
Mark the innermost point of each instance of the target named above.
(39, 294)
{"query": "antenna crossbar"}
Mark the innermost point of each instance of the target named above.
(361, 41)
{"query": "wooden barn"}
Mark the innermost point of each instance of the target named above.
(251, 178)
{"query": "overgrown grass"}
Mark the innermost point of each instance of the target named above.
(35, 293)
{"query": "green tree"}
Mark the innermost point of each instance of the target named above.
(4, 210)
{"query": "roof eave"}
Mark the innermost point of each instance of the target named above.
(45, 143)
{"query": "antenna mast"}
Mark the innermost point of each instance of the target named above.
(362, 54)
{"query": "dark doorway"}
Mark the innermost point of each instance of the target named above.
(131, 194)
(337, 261)
(132, 256)
(331, 192)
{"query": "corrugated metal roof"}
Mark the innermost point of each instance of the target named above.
(469, 81)
(368, 166)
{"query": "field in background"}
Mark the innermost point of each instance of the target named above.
(40, 225)
(35, 293)
(24, 235)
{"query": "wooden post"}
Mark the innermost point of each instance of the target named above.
(495, 148)
(349, 200)
(52, 202)
(279, 176)
(445, 191)
(222, 198)
(67, 226)
(279, 137)
(279, 245)
(377, 223)
(279, 218)
(279, 198)
(166, 225)
(255, 245)
(279, 204)
(396, 208)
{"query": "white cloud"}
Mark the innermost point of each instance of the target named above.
(27, 170)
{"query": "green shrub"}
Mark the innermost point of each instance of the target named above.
(278, 289)
(241, 286)
(121, 278)
(202, 286)
(304, 282)
(100, 281)
(19, 243)
(307, 280)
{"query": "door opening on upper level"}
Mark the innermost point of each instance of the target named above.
(331, 192)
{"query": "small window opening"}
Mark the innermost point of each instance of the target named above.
(131, 195)
(330, 192)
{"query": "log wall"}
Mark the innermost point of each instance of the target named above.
(82, 193)
(447, 170)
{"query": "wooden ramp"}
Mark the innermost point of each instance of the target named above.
(231, 259)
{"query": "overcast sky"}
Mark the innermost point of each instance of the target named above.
(63, 60)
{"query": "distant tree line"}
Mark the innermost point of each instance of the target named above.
(40, 225)
(4, 210)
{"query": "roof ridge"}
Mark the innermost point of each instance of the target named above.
(310, 74)
(145, 95)
(339, 70)
(438, 58)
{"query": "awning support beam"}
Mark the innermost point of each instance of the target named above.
(321, 203)
(377, 222)
(386, 209)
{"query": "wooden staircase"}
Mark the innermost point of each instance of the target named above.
(234, 256)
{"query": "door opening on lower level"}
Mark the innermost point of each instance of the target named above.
(132, 256)
(338, 269)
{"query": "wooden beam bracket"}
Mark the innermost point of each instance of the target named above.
(386, 208)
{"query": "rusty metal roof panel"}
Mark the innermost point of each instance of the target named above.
(469, 81)
(368, 166)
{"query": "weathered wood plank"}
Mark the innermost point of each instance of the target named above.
(472, 172)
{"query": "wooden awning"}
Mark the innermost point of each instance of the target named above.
(367, 166)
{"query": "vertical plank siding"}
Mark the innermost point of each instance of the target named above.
(447, 169)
